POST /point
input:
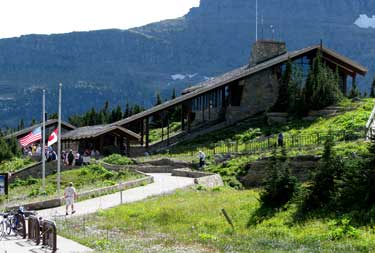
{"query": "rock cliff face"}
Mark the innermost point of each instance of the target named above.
(131, 65)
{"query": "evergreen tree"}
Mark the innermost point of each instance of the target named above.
(372, 93)
(322, 86)
(21, 125)
(354, 91)
(53, 116)
(174, 93)
(280, 185)
(158, 99)
(127, 111)
(33, 122)
(5, 153)
(322, 189)
(283, 97)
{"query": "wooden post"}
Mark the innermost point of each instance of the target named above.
(127, 147)
(162, 126)
(167, 130)
(209, 106)
(182, 117)
(142, 131)
(202, 103)
(147, 132)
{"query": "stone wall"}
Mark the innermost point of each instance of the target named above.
(35, 170)
(206, 179)
(301, 167)
(266, 49)
(260, 93)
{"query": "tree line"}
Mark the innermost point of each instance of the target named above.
(320, 89)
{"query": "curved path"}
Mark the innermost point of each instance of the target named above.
(163, 184)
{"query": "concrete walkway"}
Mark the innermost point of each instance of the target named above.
(163, 184)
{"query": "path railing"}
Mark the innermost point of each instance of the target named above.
(42, 230)
(269, 142)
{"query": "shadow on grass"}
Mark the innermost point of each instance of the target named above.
(261, 214)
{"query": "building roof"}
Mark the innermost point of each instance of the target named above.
(49, 123)
(89, 132)
(240, 73)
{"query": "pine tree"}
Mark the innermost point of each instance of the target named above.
(322, 189)
(283, 97)
(174, 93)
(372, 93)
(127, 111)
(322, 86)
(158, 99)
(354, 91)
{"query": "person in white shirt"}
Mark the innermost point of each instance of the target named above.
(202, 159)
(70, 194)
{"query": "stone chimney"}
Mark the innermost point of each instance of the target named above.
(264, 50)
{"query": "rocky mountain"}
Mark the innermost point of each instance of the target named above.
(131, 65)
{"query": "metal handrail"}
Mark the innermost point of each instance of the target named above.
(34, 229)
(49, 235)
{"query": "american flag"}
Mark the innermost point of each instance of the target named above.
(33, 136)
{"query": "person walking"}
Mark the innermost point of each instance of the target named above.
(70, 194)
(202, 159)
(70, 158)
(280, 140)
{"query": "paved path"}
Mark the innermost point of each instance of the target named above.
(163, 184)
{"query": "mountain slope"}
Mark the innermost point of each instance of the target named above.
(130, 65)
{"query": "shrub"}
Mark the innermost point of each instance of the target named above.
(341, 228)
(279, 185)
(117, 159)
(322, 189)
(108, 175)
(96, 169)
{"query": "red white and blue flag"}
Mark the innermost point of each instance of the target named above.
(33, 136)
(52, 138)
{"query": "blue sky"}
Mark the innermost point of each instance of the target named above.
(18, 17)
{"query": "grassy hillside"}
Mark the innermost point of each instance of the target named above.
(351, 122)
(191, 221)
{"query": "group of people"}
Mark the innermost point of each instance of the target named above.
(75, 158)
(36, 150)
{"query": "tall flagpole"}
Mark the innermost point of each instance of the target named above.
(44, 143)
(256, 20)
(59, 143)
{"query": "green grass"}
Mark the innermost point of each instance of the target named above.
(351, 123)
(85, 178)
(15, 164)
(117, 159)
(156, 133)
(193, 220)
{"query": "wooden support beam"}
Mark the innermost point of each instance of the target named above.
(142, 131)
(202, 104)
(209, 106)
(182, 117)
(167, 130)
(147, 132)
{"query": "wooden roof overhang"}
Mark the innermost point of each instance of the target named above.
(91, 132)
(245, 71)
(49, 123)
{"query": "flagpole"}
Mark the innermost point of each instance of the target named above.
(44, 143)
(59, 143)
(256, 20)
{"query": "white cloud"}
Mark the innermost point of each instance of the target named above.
(364, 21)
(19, 17)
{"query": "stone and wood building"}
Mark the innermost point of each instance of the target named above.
(103, 138)
(243, 92)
